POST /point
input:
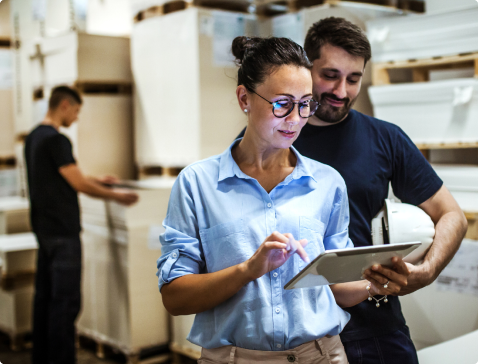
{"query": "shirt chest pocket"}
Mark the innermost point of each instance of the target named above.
(313, 230)
(225, 245)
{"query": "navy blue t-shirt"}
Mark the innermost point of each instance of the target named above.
(369, 154)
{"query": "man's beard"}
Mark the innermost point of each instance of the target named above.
(331, 114)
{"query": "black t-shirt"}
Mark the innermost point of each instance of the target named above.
(369, 154)
(54, 203)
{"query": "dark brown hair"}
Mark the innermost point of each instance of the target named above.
(337, 32)
(259, 57)
(60, 93)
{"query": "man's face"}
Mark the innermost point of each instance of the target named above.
(337, 77)
(70, 114)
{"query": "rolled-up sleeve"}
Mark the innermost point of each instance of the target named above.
(337, 233)
(181, 248)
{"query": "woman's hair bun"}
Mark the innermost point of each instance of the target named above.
(241, 44)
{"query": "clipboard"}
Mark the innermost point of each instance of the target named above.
(347, 265)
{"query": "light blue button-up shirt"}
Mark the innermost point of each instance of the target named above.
(218, 217)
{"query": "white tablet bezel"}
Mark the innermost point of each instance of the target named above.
(329, 266)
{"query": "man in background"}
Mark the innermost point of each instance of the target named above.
(54, 180)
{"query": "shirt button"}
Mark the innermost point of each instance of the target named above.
(269, 205)
(277, 310)
(275, 275)
(174, 255)
(279, 346)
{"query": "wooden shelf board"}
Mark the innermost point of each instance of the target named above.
(427, 146)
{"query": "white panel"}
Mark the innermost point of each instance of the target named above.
(441, 6)
(166, 72)
(109, 17)
(461, 350)
(424, 36)
(430, 112)
(435, 316)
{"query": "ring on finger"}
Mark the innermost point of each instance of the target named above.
(386, 284)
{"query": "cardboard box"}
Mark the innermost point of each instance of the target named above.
(430, 112)
(7, 134)
(14, 215)
(5, 26)
(104, 141)
(185, 103)
(424, 36)
(16, 310)
(121, 301)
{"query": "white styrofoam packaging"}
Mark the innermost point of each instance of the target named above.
(424, 36)
(296, 25)
(185, 103)
(430, 112)
(462, 182)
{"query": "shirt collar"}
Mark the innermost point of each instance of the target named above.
(229, 168)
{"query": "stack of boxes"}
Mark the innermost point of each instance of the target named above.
(18, 257)
(122, 306)
(436, 54)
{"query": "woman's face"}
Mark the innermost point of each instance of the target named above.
(290, 82)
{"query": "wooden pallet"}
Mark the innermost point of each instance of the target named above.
(86, 87)
(156, 171)
(169, 7)
(13, 281)
(5, 43)
(105, 349)
(183, 355)
(472, 218)
(421, 67)
(407, 5)
(8, 162)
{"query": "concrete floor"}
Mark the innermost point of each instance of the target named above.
(86, 354)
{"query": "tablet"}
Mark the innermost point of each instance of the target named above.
(347, 265)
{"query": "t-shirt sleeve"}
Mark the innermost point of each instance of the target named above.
(413, 179)
(61, 150)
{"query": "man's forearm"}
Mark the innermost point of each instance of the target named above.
(94, 189)
(449, 232)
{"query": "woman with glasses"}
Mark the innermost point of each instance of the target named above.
(236, 221)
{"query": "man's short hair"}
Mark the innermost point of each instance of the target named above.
(60, 93)
(337, 32)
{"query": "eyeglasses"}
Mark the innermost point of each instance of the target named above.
(282, 108)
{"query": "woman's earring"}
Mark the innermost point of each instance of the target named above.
(245, 110)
